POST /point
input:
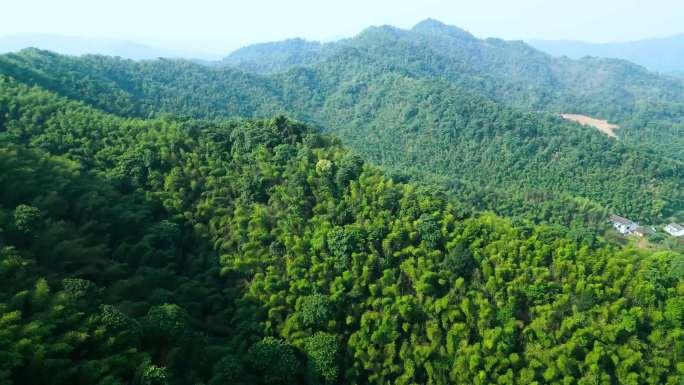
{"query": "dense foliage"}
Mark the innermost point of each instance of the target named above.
(647, 106)
(177, 251)
(396, 102)
(280, 56)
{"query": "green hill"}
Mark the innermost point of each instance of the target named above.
(527, 164)
(176, 251)
(646, 105)
(278, 56)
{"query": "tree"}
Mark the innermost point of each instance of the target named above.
(26, 218)
(228, 370)
(316, 311)
(322, 350)
(167, 321)
(274, 361)
(154, 375)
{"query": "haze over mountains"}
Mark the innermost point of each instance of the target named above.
(72, 45)
(664, 55)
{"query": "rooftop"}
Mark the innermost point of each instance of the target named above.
(620, 220)
(644, 230)
(676, 226)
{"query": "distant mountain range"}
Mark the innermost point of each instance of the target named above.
(663, 55)
(76, 46)
(433, 102)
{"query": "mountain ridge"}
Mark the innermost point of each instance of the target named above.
(399, 98)
(393, 118)
(519, 75)
(658, 54)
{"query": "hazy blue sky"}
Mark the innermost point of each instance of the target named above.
(221, 26)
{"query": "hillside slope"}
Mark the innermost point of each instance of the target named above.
(646, 105)
(278, 56)
(511, 162)
(175, 251)
(509, 71)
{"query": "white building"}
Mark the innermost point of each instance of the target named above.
(675, 229)
(643, 231)
(623, 225)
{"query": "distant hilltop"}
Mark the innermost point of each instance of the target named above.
(76, 46)
(664, 55)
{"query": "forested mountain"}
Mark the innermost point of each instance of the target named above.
(378, 98)
(661, 54)
(181, 251)
(647, 106)
(509, 71)
(280, 56)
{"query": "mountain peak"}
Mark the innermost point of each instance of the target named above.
(378, 34)
(431, 23)
(435, 27)
(379, 29)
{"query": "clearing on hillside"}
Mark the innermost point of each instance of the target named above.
(601, 125)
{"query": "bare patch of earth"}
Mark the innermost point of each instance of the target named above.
(601, 125)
